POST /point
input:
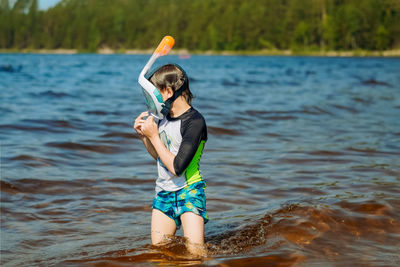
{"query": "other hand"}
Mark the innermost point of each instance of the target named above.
(149, 128)
(139, 121)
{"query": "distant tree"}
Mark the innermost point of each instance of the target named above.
(4, 5)
(5, 20)
(381, 38)
(33, 24)
(301, 35)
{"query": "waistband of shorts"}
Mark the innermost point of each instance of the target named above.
(197, 185)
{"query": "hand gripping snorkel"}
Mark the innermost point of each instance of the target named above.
(153, 96)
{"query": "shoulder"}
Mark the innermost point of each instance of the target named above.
(193, 121)
(192, 116)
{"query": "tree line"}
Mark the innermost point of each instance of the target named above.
(236, 25)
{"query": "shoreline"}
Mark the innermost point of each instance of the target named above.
(185, 52)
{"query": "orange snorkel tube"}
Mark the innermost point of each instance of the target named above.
(154, 101)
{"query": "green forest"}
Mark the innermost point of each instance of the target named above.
(200, 25)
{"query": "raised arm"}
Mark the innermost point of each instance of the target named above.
(139, 121)
(150, 130)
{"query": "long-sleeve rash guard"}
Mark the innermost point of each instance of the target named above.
(184, 137)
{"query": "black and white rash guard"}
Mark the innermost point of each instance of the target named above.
(184, 136)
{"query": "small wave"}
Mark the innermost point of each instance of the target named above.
(369, 207)
(264, 112)
(103, 113)
(80, 65)
(108, 73)
(5, 110)
(325, 153)
(112, 123)
(127, 181)
(170, 254)
(50, 94)
(222, 131)
(371, 151)
(193, 80)
(363, 100)
(315, 110)
(373, 82)
(7, 187)
(314, 161)
(34, 161)
(36, 186)
(289, 72)
(9, 68)
(131, 209)
(280, 118)
(311, 228)
(27, 128)
(33, 186)
(255, 72)
(310, 72)
(77, 146)
(230, 83)
(257, 82)
(56, 123)
(96, 112)
(272, 115)
(349, 109)
(291, 83)
(121, 135)
(90, 80)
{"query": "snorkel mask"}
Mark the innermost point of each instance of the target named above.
(166, 106)
(154, 101)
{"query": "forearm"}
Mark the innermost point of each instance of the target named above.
(165, 155)
(150, 148)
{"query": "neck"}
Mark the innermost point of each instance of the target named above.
(179, 106)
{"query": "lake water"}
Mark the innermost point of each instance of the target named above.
(302, 162)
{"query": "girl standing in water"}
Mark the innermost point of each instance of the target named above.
(177, 143)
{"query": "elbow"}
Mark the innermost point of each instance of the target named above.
(177, 170)
(173, 171)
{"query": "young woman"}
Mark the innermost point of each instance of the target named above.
(177, 143)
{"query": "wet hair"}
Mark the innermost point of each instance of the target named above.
(172, 76)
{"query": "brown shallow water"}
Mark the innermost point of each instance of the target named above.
(302, 171)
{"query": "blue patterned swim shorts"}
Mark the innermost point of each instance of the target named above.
(188, 199)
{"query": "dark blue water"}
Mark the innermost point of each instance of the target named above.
(302, 161)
